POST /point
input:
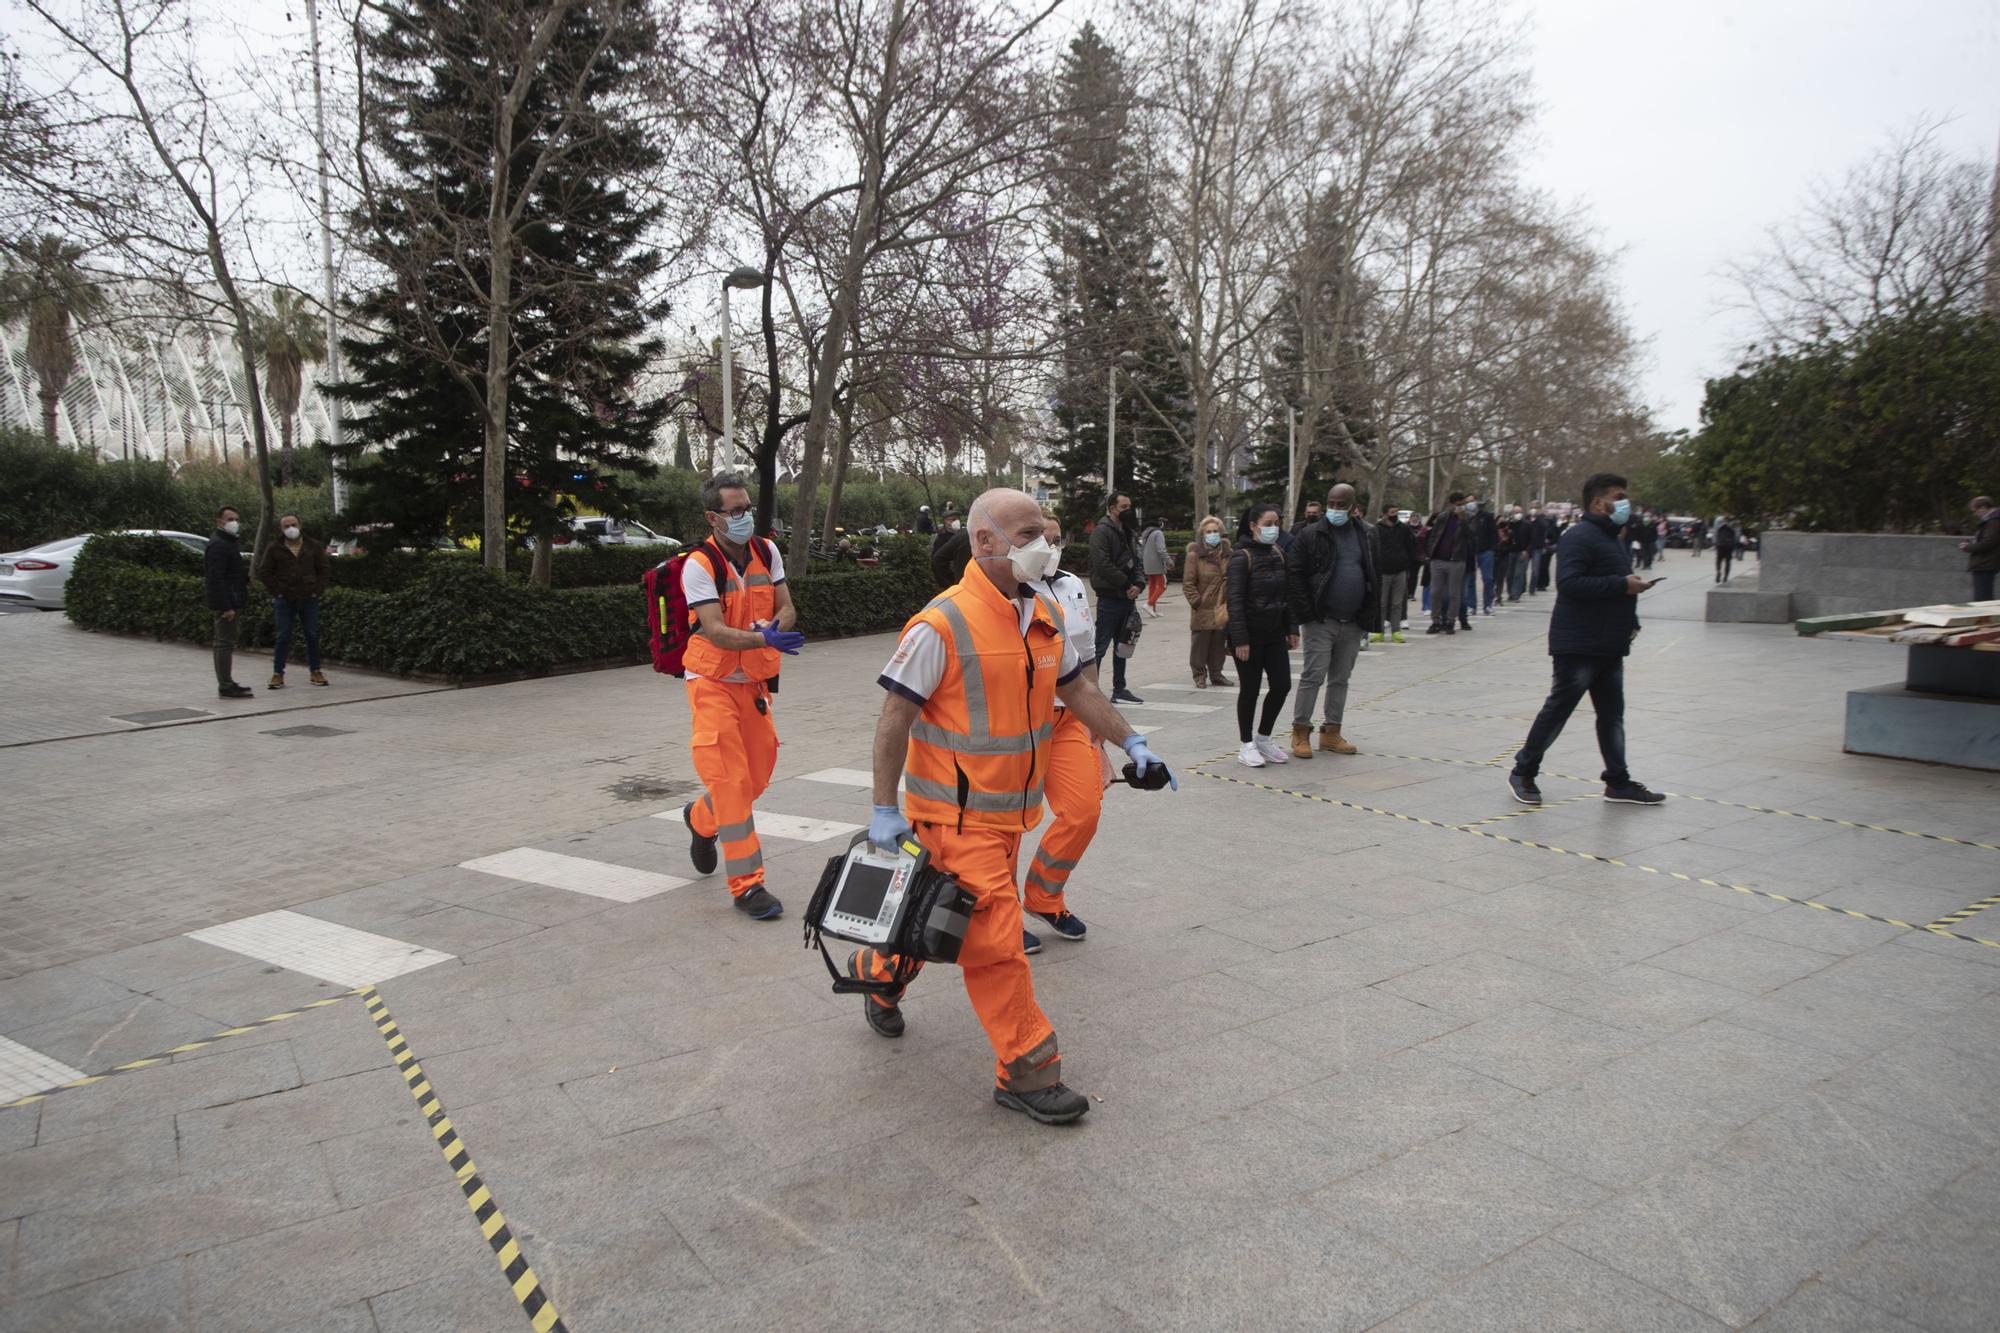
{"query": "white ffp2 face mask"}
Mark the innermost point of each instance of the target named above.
(1031, 562)
(291, 534)
(231, 527)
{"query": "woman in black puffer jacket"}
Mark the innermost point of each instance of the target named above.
(1261, 632)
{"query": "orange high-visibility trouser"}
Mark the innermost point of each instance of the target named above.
(996, 971)
(735, 746)
(1074, 787)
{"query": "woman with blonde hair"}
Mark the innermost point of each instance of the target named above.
(1204, 585)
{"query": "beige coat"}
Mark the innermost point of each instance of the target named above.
(1203, 585)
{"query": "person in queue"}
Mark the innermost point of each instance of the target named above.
(966, 728)
(1202, 583)
(1262, 632)
(742, 614)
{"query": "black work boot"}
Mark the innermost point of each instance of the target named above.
(883, 1015)
(701, 850)
(1053, 1105)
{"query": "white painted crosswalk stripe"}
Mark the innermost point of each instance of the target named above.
(1169, 686)
(1172, 708)
(336, 953)
(794, 828)
(24, 1070)
(841, 777)
(576, 874)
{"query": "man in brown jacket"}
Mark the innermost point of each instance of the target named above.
(1204, 584)
(294, 571)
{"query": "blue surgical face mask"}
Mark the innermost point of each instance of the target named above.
(1621, 511)
(1337, 517)
(1268, 535)
(741, 528)
(1212, 538)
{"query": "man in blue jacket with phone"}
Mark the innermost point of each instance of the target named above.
(1591, 632)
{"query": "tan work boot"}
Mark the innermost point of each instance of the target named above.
(1332, 742)
(319, 678)
(1302, 742)
(277, 681)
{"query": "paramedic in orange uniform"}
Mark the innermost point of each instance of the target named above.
(966, 727)
(742, 615)
(1077, 770)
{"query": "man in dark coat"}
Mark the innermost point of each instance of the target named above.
(1115, 577)
(226, 586)
(950, 549)
(1590, 633)
(1448, 547)
(1982, 551)
(1337, 602)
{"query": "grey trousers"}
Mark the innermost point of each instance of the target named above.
(1395, 596)
(225, 648)
(1330, 648)
(1447, 591)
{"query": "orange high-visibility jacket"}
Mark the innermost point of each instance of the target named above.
(980, 747)
(746, 597)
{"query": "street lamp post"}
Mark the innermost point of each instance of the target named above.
(1127, 360)
(746, 278)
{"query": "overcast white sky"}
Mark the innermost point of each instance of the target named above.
(1689, 126)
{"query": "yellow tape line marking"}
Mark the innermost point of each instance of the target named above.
(1935, 928)
(167, 1056)
(1706, 800)
(527, 1288)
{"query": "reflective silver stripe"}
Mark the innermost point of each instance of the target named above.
(990, 802)
(1042, 858)
(969, 668)
(932, 734)
(1035, 880)
(745, 865)
(737, 832)
(757, 581)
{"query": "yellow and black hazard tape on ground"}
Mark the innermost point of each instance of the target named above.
(1934, 928)
(535, 1302)
(132, 1066)
(1507, 757)
(1953, 918)
(1527, 810)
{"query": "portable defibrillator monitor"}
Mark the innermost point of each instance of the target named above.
(892, 900)
(868, 901)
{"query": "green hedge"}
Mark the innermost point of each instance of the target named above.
(452, 619)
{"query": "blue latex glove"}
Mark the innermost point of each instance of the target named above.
(1142, 755)
(786, 641)
(887, 827)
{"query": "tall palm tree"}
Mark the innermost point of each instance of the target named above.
(44, 288)
(290, 336)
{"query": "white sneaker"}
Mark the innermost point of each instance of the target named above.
(1273, 752)
(1250, 756)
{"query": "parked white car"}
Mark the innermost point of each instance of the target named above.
(611, 532)
(36, 577)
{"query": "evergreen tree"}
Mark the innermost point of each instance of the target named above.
(577, 429)
(1113, 297)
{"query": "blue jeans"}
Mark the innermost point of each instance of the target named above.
(1517, 575)
(1112, 612)
(1576, 674)
(1485, 583)
(305, 613)
(1982, 585)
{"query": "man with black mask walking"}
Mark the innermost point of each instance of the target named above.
(1590, 635)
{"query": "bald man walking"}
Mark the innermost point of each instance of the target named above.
(1337, 599)
(967, 728)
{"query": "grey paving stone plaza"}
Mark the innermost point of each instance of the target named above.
(1369, 1046)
